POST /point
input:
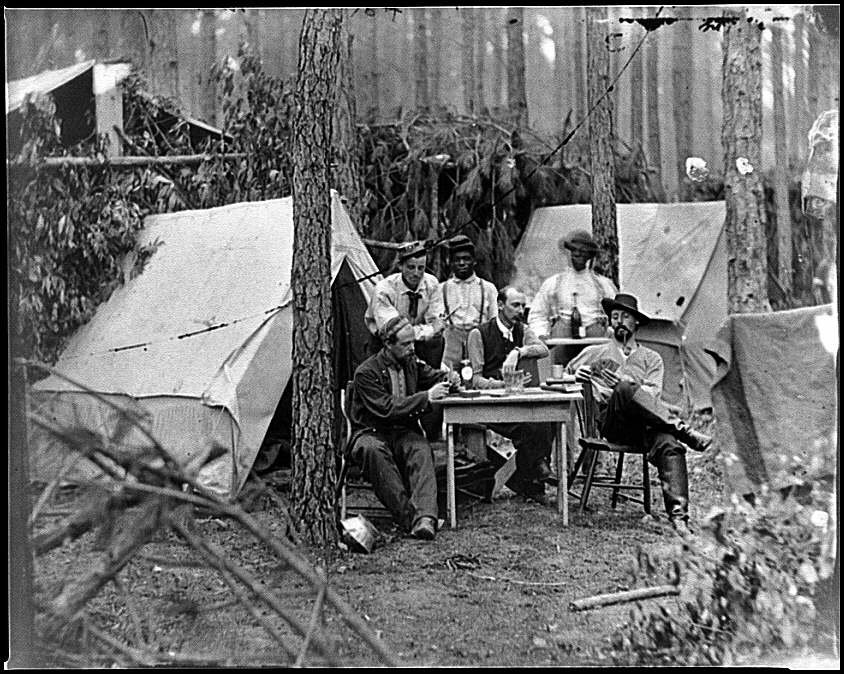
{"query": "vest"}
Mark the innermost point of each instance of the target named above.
(496, 346)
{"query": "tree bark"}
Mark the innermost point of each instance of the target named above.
(314, 457)
(420, 59)
(516, 97)
(207, 59)
(499, 54)
(601, 144)
(348, 177)
(435, 21)
(681, 77)
(800, 117)
(637, 121)
(654, 136)
(781, 166)
(480, 56)
(467, 61)
(747, 282)
(373, 111)
(561, 77)
(579, 78)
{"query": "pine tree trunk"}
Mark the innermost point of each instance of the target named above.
(435, 21)
(499, 56)
(467, 61)
(654, 137)
(480, 56)
(254, 19)
(561, 83)
(681, 77)
(747, 282)
(601, 144)
(800, 117)
(374, 110)
(516, 98)
(420, 59)
(314, 453)
(207, 59)
(348, 180)
(781, 166)
(637, 122)
(579, 78)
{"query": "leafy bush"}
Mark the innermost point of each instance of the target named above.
(749, 587)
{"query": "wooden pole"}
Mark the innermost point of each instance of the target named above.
(129, 162)
(626, 595)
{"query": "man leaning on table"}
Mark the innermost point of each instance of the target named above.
(505, 343)
(626, 379)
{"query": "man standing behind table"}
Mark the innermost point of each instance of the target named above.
(414, 294)
(626, 379)
(468, 300)
(505, 344)
(392, 391)
(551, 309)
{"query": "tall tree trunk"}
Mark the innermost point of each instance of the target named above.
(420, 58)
(747, 282)
(314, 454)
(499, 55)
(579, 78)
(516, 97)
(561, 77)
(601, 143)
(436, 22)
(254, 19)
(373, 111)
(637, 121)
(681, 77)
(781, 166)
(800, 116)
(480, 57)
(654, 134)
(207, 59)
(467, 61)
(348, 179)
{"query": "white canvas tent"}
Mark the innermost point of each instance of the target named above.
(673, 257)
(201, 340)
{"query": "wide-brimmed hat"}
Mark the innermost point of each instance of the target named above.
(628, 303)
(460, 242)
(578, 237)
(415, 249)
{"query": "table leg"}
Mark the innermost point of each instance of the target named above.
(562, 474)
(451, 494)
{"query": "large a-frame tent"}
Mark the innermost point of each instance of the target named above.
(673, 257)
(201, 339)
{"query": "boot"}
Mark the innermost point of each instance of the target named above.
(675, 485)
(656, 414)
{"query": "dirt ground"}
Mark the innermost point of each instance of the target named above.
(493, 592)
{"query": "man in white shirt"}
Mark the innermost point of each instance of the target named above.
(551, 309)
(468, 300)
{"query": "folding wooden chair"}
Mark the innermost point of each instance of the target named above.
(592, 444)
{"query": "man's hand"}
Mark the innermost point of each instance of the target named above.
(612, 378)
(583, 374)
(510, 362)
(438, 391)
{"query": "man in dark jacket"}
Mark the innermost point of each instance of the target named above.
(502, 344)
(392, 390)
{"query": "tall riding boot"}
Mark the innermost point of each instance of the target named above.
(671, 465)
(655, 414)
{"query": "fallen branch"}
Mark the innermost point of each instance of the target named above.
(217, 559)
(624, 596)
(315, 613)
(127, 162)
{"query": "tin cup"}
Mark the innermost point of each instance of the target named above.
(557, 371)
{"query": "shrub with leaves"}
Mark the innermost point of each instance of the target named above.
(749, 587)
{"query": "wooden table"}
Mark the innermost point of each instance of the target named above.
(532, 406)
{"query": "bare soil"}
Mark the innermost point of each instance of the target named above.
(493, 592)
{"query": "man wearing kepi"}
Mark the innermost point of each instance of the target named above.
(627, 381)
(392, 390)
(414, 294)
(468, 299)
(505, 344)
(577, 285)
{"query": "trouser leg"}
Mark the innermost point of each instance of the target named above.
(414, 454)
(533, 446)
(669, 457)
(372, 451)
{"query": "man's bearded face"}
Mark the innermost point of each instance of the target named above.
(622, 333)
(623, 324)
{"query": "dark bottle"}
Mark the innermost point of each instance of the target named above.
(577, 329)
(466, 372)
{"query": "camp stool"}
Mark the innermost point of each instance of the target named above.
(592, 444)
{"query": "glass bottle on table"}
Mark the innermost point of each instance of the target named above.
(466, 372)
(578, 330)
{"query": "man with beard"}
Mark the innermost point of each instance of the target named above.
(505, 344)
(392, 390)
(551, 309)
(468, 299)
(626, 379)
